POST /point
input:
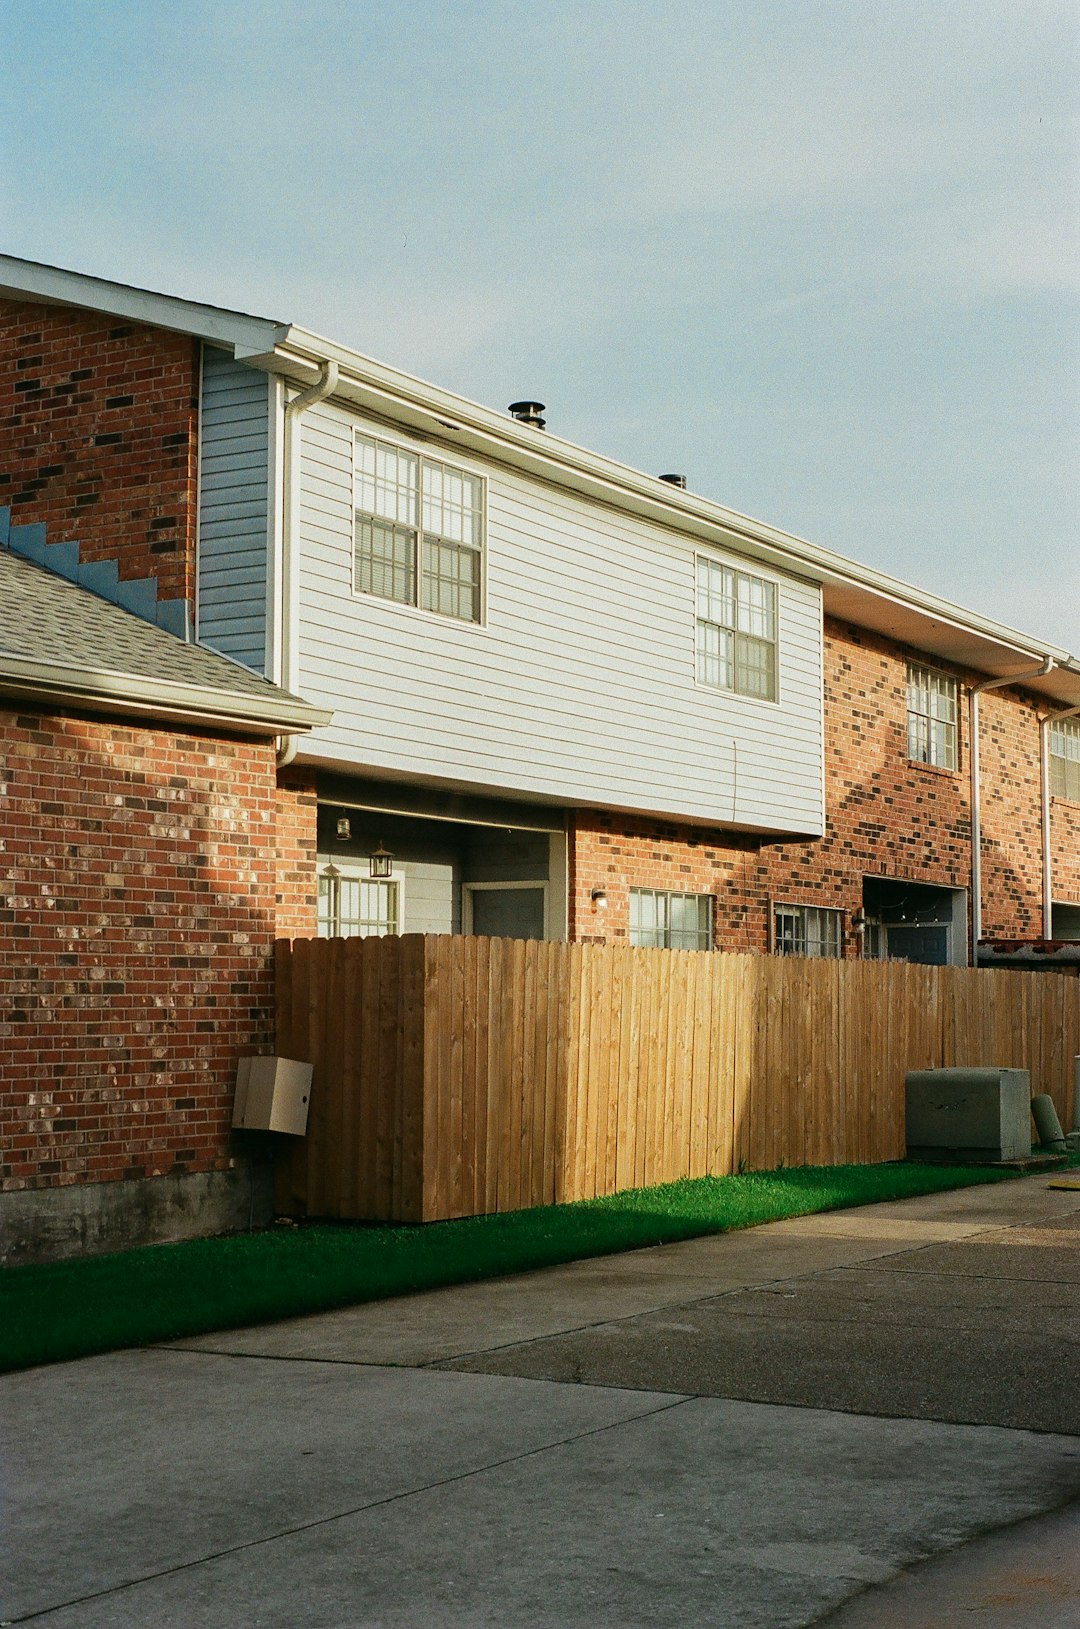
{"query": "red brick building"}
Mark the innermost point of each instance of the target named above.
(567, 698)
(138, 824)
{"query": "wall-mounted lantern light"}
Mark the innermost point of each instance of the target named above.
(599, 899)
(381, 863)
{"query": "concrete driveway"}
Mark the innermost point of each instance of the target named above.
(847, 1418)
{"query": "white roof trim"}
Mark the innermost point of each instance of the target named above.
(30, 280)
(115, 691)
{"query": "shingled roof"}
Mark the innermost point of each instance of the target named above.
(60, 643)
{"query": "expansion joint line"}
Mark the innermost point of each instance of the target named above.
(341, 1515)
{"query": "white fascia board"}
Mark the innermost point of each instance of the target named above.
(117, 692)
(29, 280)
(452, 421)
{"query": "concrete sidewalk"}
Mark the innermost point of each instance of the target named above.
(435, 1460)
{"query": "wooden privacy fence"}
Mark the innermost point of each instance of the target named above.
(455, 1076)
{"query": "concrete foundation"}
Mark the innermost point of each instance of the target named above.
(52, 1224)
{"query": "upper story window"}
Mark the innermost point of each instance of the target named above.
(806, 930)
(1065, 758)
(932, 702)
(669, 921)
(736, 630)
(419, 530)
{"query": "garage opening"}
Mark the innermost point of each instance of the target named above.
(914, 922)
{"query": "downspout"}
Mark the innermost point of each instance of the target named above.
(1039, 672)
(286, 664)
(1047, 862)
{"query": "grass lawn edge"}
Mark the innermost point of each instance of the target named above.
(60, 1311)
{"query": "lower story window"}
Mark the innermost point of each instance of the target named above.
(357, 907)
(669, 921)
(806, 930)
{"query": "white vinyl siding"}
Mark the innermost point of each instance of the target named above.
(580, 685)
(670, 921)
(931, 717)
(807, 930)
(1065, 759)
(233, 509)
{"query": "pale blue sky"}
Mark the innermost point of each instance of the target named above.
(821, 255)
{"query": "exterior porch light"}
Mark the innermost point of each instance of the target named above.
(599, 899)
(381, 863)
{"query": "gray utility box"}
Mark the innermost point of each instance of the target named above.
(979, 1115)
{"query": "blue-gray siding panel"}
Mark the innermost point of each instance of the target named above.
(233, 508)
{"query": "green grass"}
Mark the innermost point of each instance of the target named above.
(71, 1309)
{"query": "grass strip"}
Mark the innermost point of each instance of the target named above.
(70, 1309)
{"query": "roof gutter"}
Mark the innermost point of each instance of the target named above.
(1047, 856)
(113, 692)
(976, 811)
(287, 642)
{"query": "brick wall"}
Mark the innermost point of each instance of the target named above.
(886, 816)
(98, 422)
(136, 880)
(297, 845)
(618, 852)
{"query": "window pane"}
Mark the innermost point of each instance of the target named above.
(716, 656)
(806, 930)
(395, 484)
(736, 630)
(662, 920)
(1065, 759)
(452, 504)
(385, 560)
(933, 702)
(754, 675)
(716, 593)
(367, 908)
(451, 580)
(756, 607)
(327, 907)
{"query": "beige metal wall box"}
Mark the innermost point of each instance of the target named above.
(272, 1095)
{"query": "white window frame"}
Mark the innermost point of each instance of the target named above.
(739, 573)
(668, 894)
(360, 873)
(1065, 762)
(802, 914)
(469, 889)
(421, 457)
(938, 685)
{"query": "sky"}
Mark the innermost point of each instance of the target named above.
(821, 256)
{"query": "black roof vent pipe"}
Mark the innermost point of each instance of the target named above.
(529, 413)
(675, 480)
